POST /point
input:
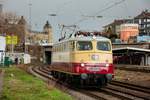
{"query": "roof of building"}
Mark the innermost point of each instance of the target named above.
(144, 14)
(37, 32)
(118, 22)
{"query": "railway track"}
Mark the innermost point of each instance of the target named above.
(131, 86)
(44, 72)
(115, 90)
(145, 69)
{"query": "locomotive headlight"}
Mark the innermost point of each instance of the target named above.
(82, 64)
(107, 65)
(95, 57)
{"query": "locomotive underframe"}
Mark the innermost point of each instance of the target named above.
(99, 80)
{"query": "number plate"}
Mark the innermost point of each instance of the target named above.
(93, 68)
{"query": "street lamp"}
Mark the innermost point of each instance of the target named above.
(99, 16)
(88, 16)
(52, 14)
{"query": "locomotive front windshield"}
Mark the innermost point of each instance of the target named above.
(104, 46)
(84, 45)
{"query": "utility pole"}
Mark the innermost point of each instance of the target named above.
(12, 44)
(1, 8)
(30, 24)
(30, 27)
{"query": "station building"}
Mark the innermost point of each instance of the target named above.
(21, 41)
(2, 49)
(39, 44)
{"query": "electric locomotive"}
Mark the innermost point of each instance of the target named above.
(83, 59)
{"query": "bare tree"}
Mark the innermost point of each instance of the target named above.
(7, 19)
(2, 18)
(10, 17)
(11, 24)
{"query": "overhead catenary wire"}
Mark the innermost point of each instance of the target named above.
(102, 10)
(59, 10)
(61, 6)
(108, 6)
(111, 6)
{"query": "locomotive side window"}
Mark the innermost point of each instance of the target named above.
(72, 45)
(105, 46)
(84, 45)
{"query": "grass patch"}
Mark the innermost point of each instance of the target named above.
(18, 85)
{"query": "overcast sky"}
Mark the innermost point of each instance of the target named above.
(71, 12)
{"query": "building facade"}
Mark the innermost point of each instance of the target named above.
(143, 20)
(40, 38)
(2, 49)
(14, 32)
(114, 27)
(127, 31)
(36, 43)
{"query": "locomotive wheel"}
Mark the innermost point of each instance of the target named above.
(82, 83)
(103, 81)
(76, 80)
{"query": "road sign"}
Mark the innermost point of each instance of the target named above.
(11, 39)
(14, 39)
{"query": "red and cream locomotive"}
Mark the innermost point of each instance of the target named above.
(85, 59)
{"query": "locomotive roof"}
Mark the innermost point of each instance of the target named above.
(90, 38)
(85, 38)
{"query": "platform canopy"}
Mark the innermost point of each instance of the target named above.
(128, 50)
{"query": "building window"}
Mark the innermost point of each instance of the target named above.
(148, 20)
(145, 20)
(72, 45)
(139, 21)
(148, 25)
